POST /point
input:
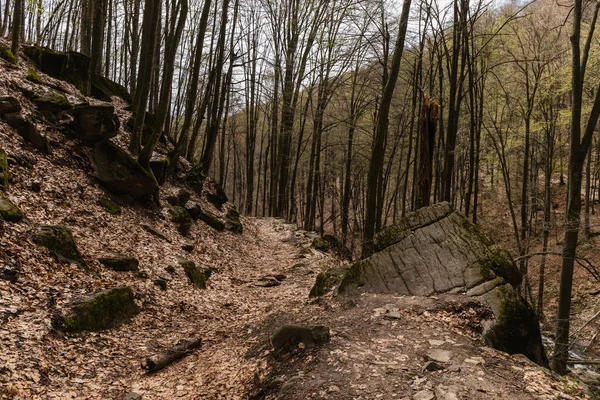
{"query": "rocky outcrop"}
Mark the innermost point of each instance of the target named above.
(437, 250)
(26, 128)
(159, 167)
(59, 239)
(232, 221)
(92, 123)
(105, 310)
(52, 102)
(104, 89)
(119, 172)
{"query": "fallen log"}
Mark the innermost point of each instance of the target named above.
(180, 350)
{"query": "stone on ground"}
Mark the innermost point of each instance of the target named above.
(120, 262)
(92, 123)
(119, 172)
(105, 310)
(59, 239)
(9, 211)
(437, 250)
(26, 128)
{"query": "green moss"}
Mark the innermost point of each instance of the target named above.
(109, 205)
(352, 277)
(59, 239)
(52, 101)
(179, 215)
(321, 244)
(326, 282)
(7, 55)
(103, 311)
(9, 211)
(33, 76)
(196, 276)
(4, 173)
(212, 220)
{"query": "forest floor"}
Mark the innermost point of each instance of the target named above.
(379, 343)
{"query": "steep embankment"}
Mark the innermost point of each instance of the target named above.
(379, 343)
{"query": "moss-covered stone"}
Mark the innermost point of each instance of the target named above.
(232, 221)
(59, 239)
(120, 262)
(217, 197)
(188, 247)
(516, 327)
(108, 309)
(109, 205)
(197, 276)
(104, 89)
(182, 218)
(70, 66)
(6, 54)
(320, 244)
(195, 178)
(52, 101)
(211, 220)
(4, 173)
(327, 281)
(179, 199)
(32, 76)
(9, 211)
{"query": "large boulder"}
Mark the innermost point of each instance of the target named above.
(437, 250)
(26, 128)
(105, 310)
(92, 123)
(104, 89)
(59, 239)
(119, 172)
(71, 66)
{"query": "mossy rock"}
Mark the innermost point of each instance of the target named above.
(148, 129)
(120, 262)
(321, 244)
(232, 221)
(59, 239)
(211, 220)
(6, 54)
(182, 218)
(188, 247)
(71, 66)
(195, 178)
(104, 89)
(4, 173)
(52, 101)
(9, 104)
(26, 128)
(327, 281)
(109, 205)
(9, 211)
(515, 329)
(179, 199)
(106, 310)
(32, 76)
(197, 276)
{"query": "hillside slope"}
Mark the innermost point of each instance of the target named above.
(378, 343)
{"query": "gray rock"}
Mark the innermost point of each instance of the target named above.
(439, 355)
(437, 250)
(424, 395)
